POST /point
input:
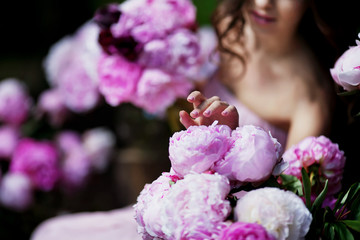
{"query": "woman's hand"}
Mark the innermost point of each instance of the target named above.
(207, 110)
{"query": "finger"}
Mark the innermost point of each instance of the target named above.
(215, 107)
(196, 98)
(229, 110)
(186, 120)
(204, 105)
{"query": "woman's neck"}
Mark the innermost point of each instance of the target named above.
(273, 46)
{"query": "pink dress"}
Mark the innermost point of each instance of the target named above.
(120, 223)
(246, 116)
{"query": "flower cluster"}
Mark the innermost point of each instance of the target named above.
(152, 52)
(196, 199)
(32, 164)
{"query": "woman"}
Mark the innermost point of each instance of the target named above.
(275, 61)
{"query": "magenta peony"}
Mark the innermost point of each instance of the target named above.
(198, 148)
(196, 207)
(282, 213)
(317, 151)
(38, 160)
(9, 137)
(15, 102)
(16, 191)
(245, 231)
(252, 156)
(118, 79)
(346, 71)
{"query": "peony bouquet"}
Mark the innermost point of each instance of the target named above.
(237, 184)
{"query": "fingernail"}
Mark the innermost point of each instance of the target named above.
(194, 113)
(191, 98)
(207, 112)
(225, 113)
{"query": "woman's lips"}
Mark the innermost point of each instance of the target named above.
(261, 18)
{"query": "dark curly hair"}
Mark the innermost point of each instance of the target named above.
(326, 27)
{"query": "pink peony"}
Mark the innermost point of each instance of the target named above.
(75, 169)
(67, 140)
(177, 53)
(16, 191)
(9, 137)
(208, 59)
(99, 143)
(198, 148)
(149, 203)
(317, 151)
(118, 79)
(52, 104)
(71, 66)
(146, 20)
(252, 156)
(38, 160)
(346, 71)
(245, 231)
(196, 207)
(157, 90)
(15, 101)
(282, 213)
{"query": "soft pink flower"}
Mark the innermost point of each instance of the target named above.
(282, 213)
(178, 53)
(118, 79)
(67, 140)
(71, 66)
(149, 203)
(320, 151)
(38, 160)
(157, 90)
(196, 207)
(346, 71)
(198, 148)
(52, 104)
(99, 143)
(75, 169)
(9, 137)
(208, 59)
(252, 156)
(15, 102)
(147, 20)
(16, 191)
(245, 231)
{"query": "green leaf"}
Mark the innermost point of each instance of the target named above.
(307, 187)
(350, 93)
(320, 199)
(353, 224)
(342, 232)
(329, 231)
(292, 183)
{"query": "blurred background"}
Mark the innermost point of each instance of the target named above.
(28, 29)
